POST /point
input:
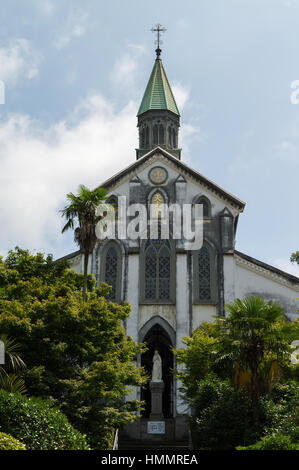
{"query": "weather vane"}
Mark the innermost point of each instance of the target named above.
(158, 29)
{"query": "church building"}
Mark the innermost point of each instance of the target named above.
(171, 288)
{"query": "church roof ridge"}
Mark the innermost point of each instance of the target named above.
(112, 180)
(264, 265)
(158, 94)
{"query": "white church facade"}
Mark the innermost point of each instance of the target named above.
(171, 288)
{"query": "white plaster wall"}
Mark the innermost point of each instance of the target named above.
(76, 266)
(203, 313)
(182, 319)
(133, 299)
(248, 283)
(229, 278)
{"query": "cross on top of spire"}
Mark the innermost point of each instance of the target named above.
(158, 29)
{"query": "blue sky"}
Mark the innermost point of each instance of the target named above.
(75, 73)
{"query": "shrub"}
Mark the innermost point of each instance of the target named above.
(275, 442)
(8, 442)
(37, 425)
(222, 416)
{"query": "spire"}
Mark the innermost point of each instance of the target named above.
(158, 114)
(158, 94)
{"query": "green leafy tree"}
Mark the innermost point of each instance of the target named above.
(9, 378)
(295, 257)
(255, 334)
(81, 209)
(253, 338)
(77, 353)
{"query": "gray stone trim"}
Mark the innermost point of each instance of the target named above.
(157, 320)
(266, 269)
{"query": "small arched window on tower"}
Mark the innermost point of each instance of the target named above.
(155, 134)
(205, 275)
(170, 137)
(111, 267)
(173, 138)
(143, 138)
(146, 136)
(161, 134)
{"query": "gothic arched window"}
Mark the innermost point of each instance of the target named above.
(206, 209)
(158, 271)
(156, 201)
(205, 275)
(111, 267)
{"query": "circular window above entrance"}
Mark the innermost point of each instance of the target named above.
(158, 175)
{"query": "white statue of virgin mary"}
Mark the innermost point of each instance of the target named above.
(157, 368)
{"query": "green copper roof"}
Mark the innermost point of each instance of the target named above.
(158, 94)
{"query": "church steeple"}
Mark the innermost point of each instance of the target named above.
(158, 114)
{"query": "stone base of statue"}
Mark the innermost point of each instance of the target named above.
(156, 400)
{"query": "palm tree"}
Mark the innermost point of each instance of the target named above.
(82, 208)
(254, 332)
(10, 381)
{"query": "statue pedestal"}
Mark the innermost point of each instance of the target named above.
(156, 400)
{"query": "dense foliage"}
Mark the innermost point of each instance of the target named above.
(8, 442)
(77, 353)
(37, 425)
(230, 371)
(274, 442)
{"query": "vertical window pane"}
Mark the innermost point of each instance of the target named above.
(164, 274)
(204, 271)
(111, 271)
(161, 134)
(155, 134)
(150, 273)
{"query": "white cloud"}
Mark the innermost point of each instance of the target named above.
(39, 166)
(74, 27)
(45, 7)
(287, 266)
(181, 94)
(126, 67)
(18, 59)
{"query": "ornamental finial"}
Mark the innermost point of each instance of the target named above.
(158, 29)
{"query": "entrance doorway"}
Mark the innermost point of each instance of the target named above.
(158, 338)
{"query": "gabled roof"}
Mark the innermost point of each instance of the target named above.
(289, 277)
(188, 170)
(158, 94)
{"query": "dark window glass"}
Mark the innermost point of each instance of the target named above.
(111, 271)
(161, 134)
(155, 134)
(157, 270)
(204, 274)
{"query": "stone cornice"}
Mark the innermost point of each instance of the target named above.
(273, 275)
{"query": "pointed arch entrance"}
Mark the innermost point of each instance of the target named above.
(159, 335)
